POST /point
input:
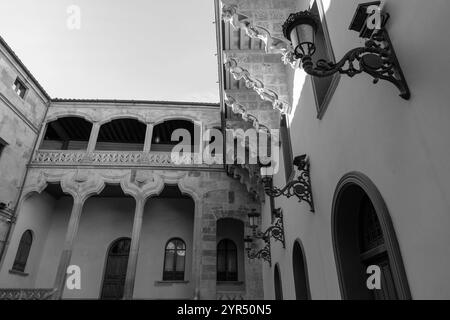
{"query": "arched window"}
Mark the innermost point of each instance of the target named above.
(277, 284)
(300, 273)
(23, 251)
(174, 260)
(227, 261)
(364, 236)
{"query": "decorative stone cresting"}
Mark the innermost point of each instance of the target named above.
(26, 294)
(239, 73)
(273, 44)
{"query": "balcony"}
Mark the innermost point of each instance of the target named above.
(72, 141)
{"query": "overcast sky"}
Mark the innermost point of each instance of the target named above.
(125, 49)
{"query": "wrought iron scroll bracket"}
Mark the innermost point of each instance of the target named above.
(299, 187)
(377, 58)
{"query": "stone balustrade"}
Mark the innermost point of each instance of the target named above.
(117, 158)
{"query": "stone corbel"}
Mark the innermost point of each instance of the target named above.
(142, 184)
(81, 184)
(239, 73)
(238, 108)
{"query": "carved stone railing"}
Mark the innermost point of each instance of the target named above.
(26, 294)
(115, 158)
(238, 72)
(59, 157)
(230, 295)
(273, 45)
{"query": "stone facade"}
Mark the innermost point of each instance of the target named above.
(81, 175)
(20, 122)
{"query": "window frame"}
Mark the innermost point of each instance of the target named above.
(18, 265)
(322, 108)
(17, 88)
(229, 276)
(171, 275)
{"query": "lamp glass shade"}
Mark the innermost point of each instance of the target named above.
(303, 33)
(253, 219)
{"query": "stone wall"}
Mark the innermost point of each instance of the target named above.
(20, 122)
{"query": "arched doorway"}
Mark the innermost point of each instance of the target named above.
(116, 269)
(363, 236)
(300, 273)
(277, 284)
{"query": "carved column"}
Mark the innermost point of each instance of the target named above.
(134, 248)
(80, 184)
(68, 246)
(148, 137)
(93, 137)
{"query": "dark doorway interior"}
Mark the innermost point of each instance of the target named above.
(116, 269)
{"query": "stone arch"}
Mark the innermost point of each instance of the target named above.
(70, 113)
(165, 118)
(345, 218)
(112, 117)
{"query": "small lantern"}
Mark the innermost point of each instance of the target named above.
(300, 28)
(253, 219)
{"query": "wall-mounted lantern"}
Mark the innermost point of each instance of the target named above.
(264, 253)
(299, 187)
(377, 57)
(275, 231)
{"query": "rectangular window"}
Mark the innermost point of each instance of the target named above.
(323, 87)
(20, 88)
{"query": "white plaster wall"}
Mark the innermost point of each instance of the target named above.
(402, 146)
(164, 219)
(53, 247)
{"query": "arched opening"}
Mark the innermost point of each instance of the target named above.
(37, 240)
(105, 217)
(300, 273)
(363, 236)
(162, 135)
(165, 260)
(67, 133)
(277, 283)
(122, 135)
(116, 269)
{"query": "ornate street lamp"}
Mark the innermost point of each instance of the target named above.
(275, 231)
(377, 57)
(299, 187)
(264, 253)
